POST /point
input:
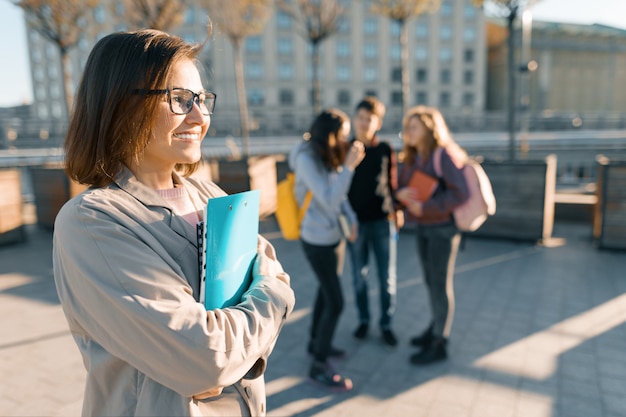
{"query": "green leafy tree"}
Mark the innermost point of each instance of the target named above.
(57, 21)
(510, 10)
(401, 12)
(238, 19)
(316, 21)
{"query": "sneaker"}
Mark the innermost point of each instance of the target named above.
(435, 352)
(423, 339)
(332, 353)
(389, 338)
(361, 331)
(323, 375)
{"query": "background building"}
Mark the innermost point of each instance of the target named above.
(447, 61)
(576, 84)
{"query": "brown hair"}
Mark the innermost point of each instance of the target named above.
(373, 105)
(324, 137)
(111, 123)
(437, 133)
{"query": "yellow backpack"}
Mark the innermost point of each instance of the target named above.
(288, 214)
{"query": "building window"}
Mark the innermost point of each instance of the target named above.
(469, 11)
(56, 110)
(285, 72)
(283, 21)
(370, 50)
(421, 97)
(396, 98)
(421, 30)
(468, 77)
(445, 32)
(396, 74)
(421, 53)
(342, 49)
(468, 55)
(120, 8)
(445, 76)
(421, 75)
(254, 70)
(445, 54)
(320, 72)
(395, 51)
(255, 97)
(285, 97)
(371, 93)
(99, 14)
(444, 99)
(469, 34)
(42, 111)
(468, 99)
(394, 28)
(253, 44)
(343, 98)
(343, 25)
(446, 9)
(285, 46)
(343, 73)
(370, 74)
(370, 26)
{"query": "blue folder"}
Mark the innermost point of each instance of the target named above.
(231, 228)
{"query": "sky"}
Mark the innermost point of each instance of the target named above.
(15, 84)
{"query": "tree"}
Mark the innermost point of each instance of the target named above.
(510, 10)
(238, 19)
(155, 14)
(317, 20)
(58, 21)
(401, 11)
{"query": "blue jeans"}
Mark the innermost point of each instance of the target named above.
(379, 236)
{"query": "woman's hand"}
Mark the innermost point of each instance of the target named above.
(354, 232)
(355, 155)
(406, 195)
(415, 208)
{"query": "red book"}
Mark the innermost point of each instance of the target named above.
(424, 184)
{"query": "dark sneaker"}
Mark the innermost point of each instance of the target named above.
(435, 352)
(389, 338)
(361, 331)
(423, 339)
(323, 375)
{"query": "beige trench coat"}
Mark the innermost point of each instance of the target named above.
(126, 271)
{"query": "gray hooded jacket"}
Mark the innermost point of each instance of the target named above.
(320, 225)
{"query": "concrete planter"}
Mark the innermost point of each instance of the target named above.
(11, 207)
(524, 192)
(610, 220)
(254, 173)
(52, 188)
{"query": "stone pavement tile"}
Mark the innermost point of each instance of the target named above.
(533, 405)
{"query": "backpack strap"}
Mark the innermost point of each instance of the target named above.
(437, 161)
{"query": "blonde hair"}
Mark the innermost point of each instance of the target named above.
(438, 134)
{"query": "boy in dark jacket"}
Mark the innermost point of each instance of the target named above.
(371, 197)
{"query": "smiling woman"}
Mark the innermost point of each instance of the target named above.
(125, 252)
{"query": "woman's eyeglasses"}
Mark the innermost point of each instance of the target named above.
(182, 100)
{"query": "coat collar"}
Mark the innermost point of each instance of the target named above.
(127, 181)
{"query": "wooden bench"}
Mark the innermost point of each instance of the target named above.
(610, 222)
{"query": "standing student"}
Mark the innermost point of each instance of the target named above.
(371, 196)
(125, 251)
(324, 165)
(423, 131)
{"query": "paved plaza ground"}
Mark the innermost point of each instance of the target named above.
(538, 332)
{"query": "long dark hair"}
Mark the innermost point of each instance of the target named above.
(324, 137)
(110, 123)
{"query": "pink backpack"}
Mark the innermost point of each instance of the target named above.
(481, 203)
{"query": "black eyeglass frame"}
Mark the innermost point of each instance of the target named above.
(195, 98)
